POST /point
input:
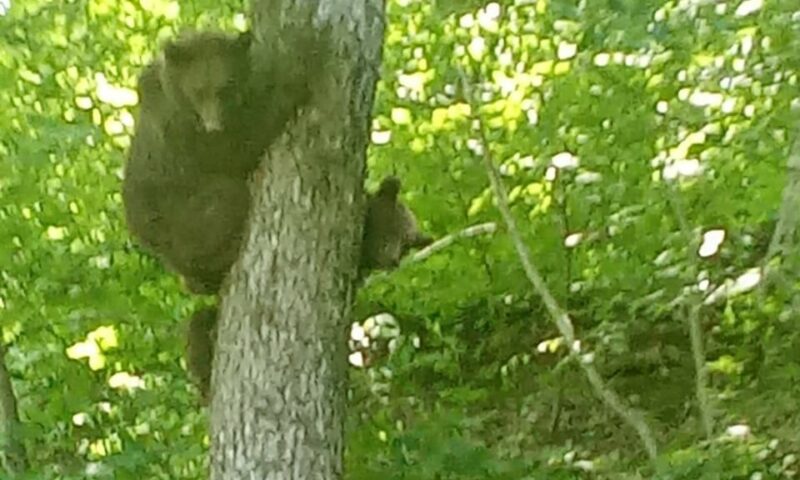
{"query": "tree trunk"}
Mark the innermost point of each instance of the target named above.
(280, 366)
(15, 459)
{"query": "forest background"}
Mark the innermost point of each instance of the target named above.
(644, 147)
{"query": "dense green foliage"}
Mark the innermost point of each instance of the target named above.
(624, 131)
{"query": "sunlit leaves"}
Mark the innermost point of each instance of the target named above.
(380, 137)
(727, 365)
(97, 342)
(55, 233)
(712, 240)
(565, 161)
(170, 10)
(730, 288)
(124, 380)
(30, 76)
(639, 91)
(748, 7)
(477, 48)
(401, 116)
(114, 95)
(451, 117)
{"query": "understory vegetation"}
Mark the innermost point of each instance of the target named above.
(614, 294)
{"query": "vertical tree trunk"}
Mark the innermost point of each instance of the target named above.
(280, 365)
(15, 459)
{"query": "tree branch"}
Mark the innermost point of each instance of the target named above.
(631, 416)
(487, 228)
(693, 319)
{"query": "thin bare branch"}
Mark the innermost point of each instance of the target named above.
(14, 458)
(631, 416)
(487, 228)
(700, 369)
(444, 242)
(694, 303)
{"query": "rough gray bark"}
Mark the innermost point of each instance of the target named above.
(280, 366)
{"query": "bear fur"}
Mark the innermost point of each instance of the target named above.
(390, 229)
(202, 128)
(196, 142)
(201, 336)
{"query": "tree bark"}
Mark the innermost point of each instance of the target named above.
(280, 365)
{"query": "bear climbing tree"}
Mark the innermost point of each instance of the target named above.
(198, 138)
(280, 359)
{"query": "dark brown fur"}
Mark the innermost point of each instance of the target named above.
(390, 229)
(185, 187)
(201, 336)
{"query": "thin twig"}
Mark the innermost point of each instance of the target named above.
(444, 242)
(700, 369)
(693, 320)
(631, 416)
(487, 228)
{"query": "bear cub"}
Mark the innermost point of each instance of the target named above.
(390, 229)
(390, 232)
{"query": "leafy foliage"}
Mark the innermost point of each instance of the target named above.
(625, 130)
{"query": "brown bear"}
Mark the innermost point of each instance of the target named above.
(390, 229)
(198, 137)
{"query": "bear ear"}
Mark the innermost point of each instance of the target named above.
(390, 188)
(244, 40)
(178, 53)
